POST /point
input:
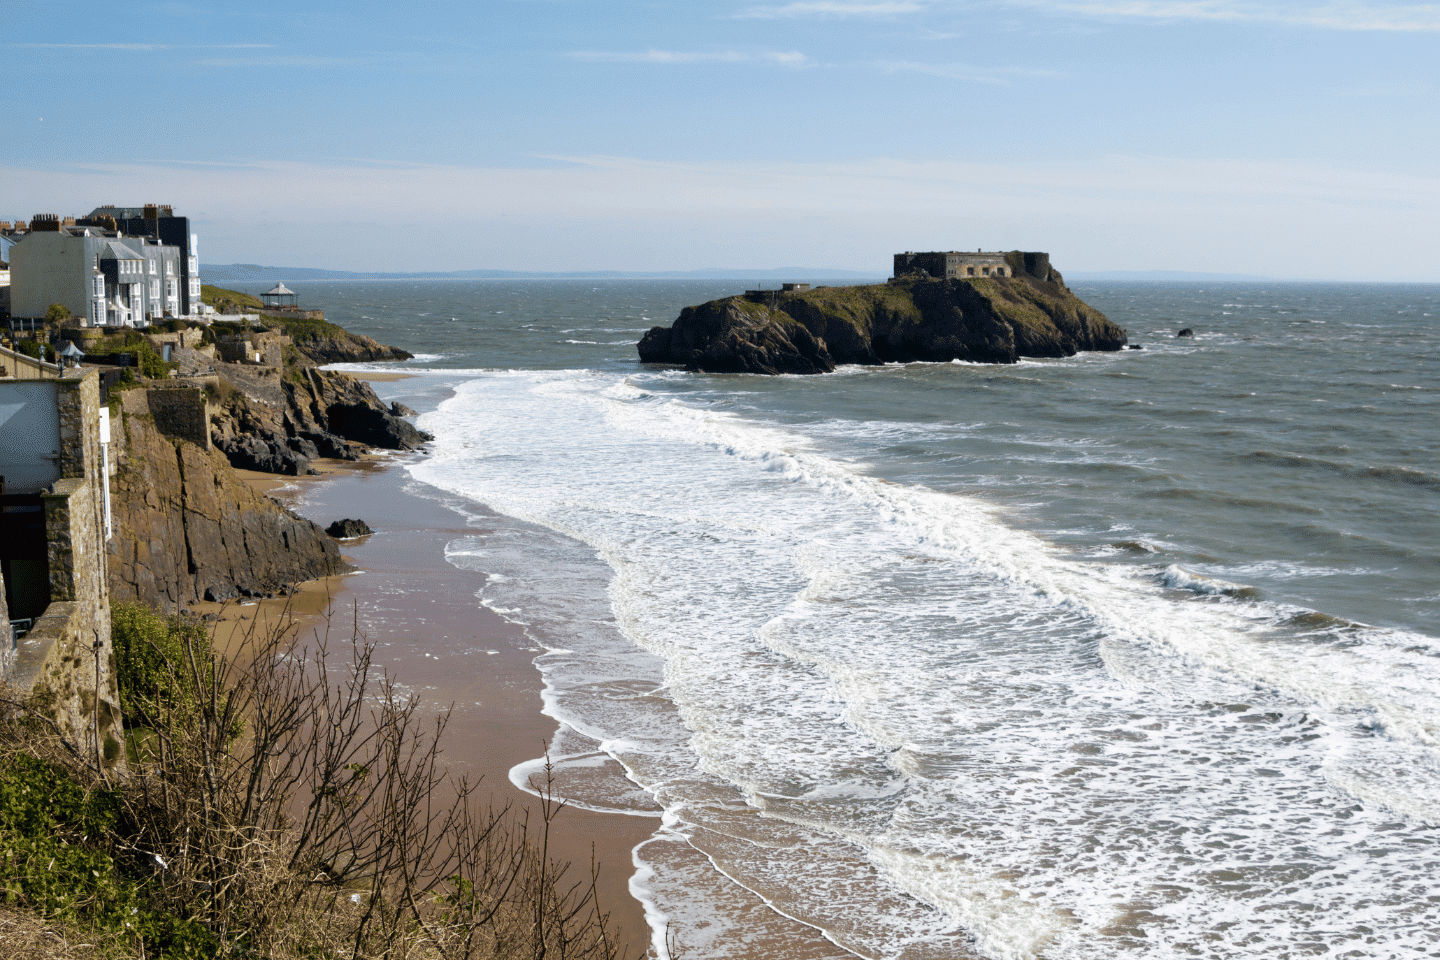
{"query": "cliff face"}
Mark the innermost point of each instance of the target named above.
(187, 528)
(278, 419)
(985, 320)
(327, 343)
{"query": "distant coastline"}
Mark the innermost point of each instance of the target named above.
(250, 272)
(256, 273)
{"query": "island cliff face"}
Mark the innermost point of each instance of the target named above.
(983, 320)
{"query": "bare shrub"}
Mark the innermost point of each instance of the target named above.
(295, 802)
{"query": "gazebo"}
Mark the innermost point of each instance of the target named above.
(71, 353)
(281, 296)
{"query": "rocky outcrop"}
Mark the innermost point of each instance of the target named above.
(349, 529)
(278, 419)
(187, 528)
(327, 343)
(985, 320)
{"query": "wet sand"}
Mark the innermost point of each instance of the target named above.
(432, 635)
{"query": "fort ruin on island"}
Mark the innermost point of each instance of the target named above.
(966, 265)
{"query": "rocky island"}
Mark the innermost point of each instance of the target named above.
(1021, 309)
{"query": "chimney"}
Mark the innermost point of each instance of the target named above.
(151, 212)
(45, 223)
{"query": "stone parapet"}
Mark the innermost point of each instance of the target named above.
(181, 412)
(64, 669)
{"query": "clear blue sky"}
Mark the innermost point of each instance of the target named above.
(1272, 137)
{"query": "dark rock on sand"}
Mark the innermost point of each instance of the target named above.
(349, 529)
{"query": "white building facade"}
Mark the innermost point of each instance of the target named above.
(104, 278)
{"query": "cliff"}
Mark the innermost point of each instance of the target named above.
(327, 343)
(983, 320)
(187, 528)
(278, 419)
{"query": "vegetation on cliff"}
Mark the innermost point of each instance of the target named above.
(321, 341)
(285, 803)
(982, 320)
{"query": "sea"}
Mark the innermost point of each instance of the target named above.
(1130, 654)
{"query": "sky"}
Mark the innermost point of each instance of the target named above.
(1268, 137)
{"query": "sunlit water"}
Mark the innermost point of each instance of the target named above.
(1129, 654)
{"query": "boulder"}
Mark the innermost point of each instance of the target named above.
(349, 529)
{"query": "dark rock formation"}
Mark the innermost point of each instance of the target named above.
(326, 343)
(187, 528)
(277, 420)
(985, 320)
(349, 529)
(1187, 332)
(400, 410)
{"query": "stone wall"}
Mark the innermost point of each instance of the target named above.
(189, 338)
(269, 347)
(180, 412)
(60, 665)
(6, 648)
(20, 367)
(65, 664)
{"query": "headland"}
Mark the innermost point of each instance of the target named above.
(1020, 307)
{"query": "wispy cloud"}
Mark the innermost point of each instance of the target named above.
(994, 76)
(297, 60)
(630, 214)
(1411, 18)
(830, 8)
(790, 58)
(144, 46)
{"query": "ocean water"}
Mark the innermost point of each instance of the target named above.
(1124, 655)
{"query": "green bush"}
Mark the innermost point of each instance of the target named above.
(152, 658)
(36, 349)
(150, 363)
(57, 312)
(58, 857)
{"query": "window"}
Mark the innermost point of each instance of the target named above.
(152, 268)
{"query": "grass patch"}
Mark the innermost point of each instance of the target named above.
(220, 298)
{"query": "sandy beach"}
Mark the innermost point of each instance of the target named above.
(433, 636)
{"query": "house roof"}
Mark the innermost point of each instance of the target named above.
(114, 250)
